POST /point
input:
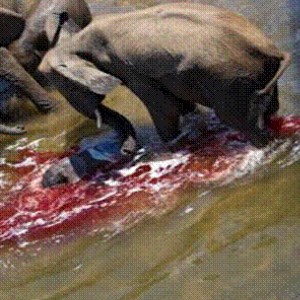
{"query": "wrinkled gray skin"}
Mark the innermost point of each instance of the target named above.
(27, 42)
(173, 56)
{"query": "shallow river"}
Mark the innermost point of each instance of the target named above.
(237, 238)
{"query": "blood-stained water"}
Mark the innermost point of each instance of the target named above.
(30, 212)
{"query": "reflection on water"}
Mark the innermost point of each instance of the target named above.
(239, 241)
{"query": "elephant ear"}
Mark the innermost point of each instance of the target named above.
(11, 26)
(85, 74)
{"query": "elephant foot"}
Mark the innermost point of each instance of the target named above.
(12, 130)
(193, 125)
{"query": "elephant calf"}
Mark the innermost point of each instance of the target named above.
(173, 56)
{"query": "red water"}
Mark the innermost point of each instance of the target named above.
(30, 212)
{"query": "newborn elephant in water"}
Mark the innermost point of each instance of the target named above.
(171, 56)
(27, 42)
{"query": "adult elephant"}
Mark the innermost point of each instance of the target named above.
(173, 56)
(27, 41)
(13, 78)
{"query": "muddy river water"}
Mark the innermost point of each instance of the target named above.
(236, 239)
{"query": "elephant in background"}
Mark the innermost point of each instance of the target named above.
(27, 40)
(41, 25)
(13, 78)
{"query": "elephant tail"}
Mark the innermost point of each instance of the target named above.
(285, 61)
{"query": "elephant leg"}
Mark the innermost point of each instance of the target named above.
(186, 107)
(273, 104)
(119, 123)
(161, 105)
(12, 130)
(262, 107)
(15, 73)
(88, 103)
(246, 116)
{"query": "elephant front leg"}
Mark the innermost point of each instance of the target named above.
(161, 105)
(14, 72)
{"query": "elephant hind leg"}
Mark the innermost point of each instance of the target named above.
(14, 72)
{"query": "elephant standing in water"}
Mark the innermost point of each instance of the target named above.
(171, 56)
(12, 76)
(27, 37)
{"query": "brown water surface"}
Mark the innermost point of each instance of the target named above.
(238, 241)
